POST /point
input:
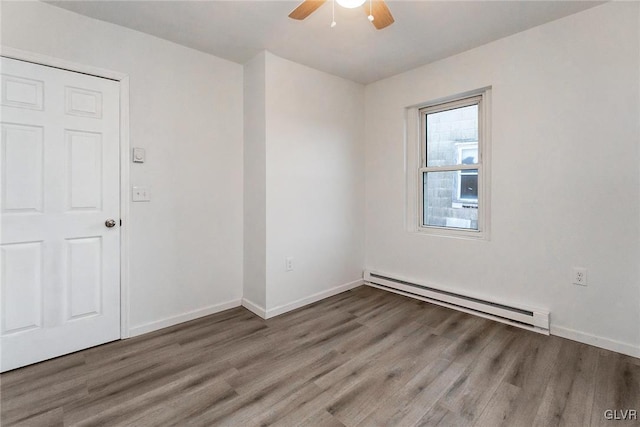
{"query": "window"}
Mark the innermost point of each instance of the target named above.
(468, 178)
(453, 148)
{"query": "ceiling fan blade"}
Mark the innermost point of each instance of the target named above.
(306, 8)
(382, 17)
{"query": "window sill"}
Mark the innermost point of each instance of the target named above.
(456, 233)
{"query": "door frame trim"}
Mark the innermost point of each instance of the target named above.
(125, 203)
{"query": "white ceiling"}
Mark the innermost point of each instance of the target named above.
(424, 31)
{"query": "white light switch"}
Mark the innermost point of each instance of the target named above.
(138, 155)
(140, 194)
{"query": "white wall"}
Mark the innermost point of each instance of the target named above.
(315, 182)
(313, 153)
(565, 174)
(255, 227)
(186, 111)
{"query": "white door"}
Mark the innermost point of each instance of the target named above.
(60, 263)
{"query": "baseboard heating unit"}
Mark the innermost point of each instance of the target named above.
(529, 318)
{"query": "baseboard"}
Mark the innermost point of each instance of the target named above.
(254, 308)
(185, 317)
(596, 341)
(249, 305)
(281, 309)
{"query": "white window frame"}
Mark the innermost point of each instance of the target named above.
(416, 144)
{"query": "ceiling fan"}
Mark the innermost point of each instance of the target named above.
(377, 10)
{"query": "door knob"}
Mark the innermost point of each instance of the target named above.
(110, 223)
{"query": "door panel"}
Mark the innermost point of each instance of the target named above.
(22, 154)
(84, 159)
(60, 182)
(21, 287)
(84, 278)
(22, 93)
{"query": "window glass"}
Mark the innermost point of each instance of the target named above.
(468, 185)
(443, 206)
(446, 130)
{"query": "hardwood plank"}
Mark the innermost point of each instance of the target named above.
(39, 389)
(617, 387)
(501, 405)
(365, 357)
(53, 418)
(358, 374)
(394, 369)
(434, 315)
(440, 416)
(278, 411)
(531, 372)
(319, 418)
(471, 392)
(380, 348)
(568, 398)
(478, 335)
(273, 389)
(146, 387)
(193, 395)
(410, 404)
(456, 324)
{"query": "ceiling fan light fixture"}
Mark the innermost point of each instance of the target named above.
(377, 11)
(350, 4)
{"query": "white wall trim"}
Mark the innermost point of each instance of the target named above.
(125, 209)
(638, 123)
(184, 317)
(123, 79)
(254, 308)
(596, 341)
(281, 309)
(51, 61)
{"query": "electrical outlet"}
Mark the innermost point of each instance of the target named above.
(579, 275)
(288, 263)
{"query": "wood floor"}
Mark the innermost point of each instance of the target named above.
(361, 358)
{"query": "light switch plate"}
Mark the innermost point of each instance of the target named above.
(140, 194)
(139, 155)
